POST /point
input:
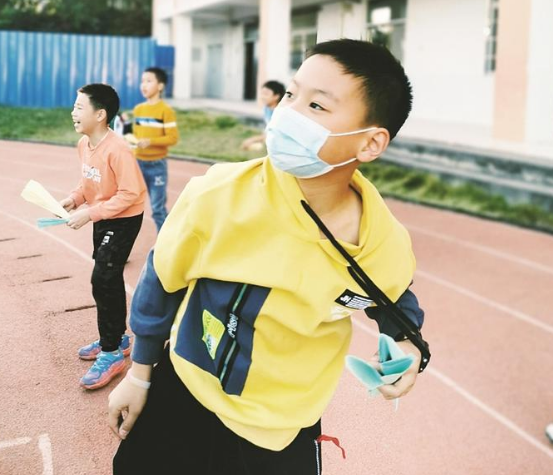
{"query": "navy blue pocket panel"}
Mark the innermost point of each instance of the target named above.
(216, 331)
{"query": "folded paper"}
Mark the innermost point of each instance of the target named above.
(131, 138)
(393, 364)
(35, 193)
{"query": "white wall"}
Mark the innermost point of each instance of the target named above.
(274, 41)
(539, 111)
(162, 9)
(231, 71)
(182, 39)
(163, 32)
(187, 6)
(235, 69)
(444, 58)
(342, 20)
(199, 57)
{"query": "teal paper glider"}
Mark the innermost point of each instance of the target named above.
(393, 363)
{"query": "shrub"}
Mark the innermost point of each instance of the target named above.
(225, 122)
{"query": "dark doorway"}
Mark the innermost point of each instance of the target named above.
(250, 73)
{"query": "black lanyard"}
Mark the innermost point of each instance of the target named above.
(402, 321)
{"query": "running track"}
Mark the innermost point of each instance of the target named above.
(480, 408)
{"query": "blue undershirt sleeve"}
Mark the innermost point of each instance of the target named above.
(408, 303)
(153, 311)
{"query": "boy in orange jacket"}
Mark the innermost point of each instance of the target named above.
(113, 190)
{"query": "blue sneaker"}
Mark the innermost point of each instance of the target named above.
(106, 367)
(90, 352)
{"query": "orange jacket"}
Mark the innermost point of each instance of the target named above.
(111, 183)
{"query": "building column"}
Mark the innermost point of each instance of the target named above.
(182, 40)
(539, 110)
(342, 20)
(523, 109)
(274, 41)
(162, 12)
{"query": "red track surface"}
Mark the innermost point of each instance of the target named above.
(480, 408)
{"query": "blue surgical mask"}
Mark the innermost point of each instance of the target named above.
(294, 141)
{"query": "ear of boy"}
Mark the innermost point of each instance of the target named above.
(101, 115)
(376, 145)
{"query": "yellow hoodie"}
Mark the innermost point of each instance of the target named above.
(262, 333)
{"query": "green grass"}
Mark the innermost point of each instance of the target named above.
(201, 135)
(47, 125)
(426, 188)
(216, 136)
(213, 136)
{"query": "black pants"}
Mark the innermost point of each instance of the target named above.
(176, 435)
(113, 242)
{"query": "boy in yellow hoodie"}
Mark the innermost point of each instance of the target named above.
(155, 128)
(256, 304)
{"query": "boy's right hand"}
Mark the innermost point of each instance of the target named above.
(143, 143)
(125, 403)
(68, 204)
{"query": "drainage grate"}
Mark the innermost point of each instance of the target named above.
(76, 309)
(29, 257)
(57, 278)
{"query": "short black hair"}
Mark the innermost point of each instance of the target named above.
(102, 96)
(277, 88)
(159, 73)
(387, 90)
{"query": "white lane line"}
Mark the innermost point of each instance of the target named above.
(86, 257)
(62, 192)
(21, 181)
(35, 164)
(484, 249)
(6, 444)
(497, 416)
(490, 303)
(506, 422)
(185, 174)
(65, 193)
(46, 449)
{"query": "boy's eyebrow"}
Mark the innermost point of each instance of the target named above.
(328, 94)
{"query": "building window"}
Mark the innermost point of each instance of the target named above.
(304, 36)
(490, 33)
(386, 24)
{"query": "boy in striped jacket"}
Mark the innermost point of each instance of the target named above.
(155, 129)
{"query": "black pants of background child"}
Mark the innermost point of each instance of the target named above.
(176, 434)
(113, 242)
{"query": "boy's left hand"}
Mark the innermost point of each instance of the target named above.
(407, 381)
(78, 219)
(143, 143)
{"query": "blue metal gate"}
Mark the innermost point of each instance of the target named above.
(46, 69)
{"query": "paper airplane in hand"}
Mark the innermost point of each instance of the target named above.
(131, 139)
(45, 222)
(393, 364)
(35, 193)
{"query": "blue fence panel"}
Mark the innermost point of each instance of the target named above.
(46, 69)
(165, 59)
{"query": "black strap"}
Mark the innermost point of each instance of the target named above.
(402, 321)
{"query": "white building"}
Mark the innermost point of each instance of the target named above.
(479, 64)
